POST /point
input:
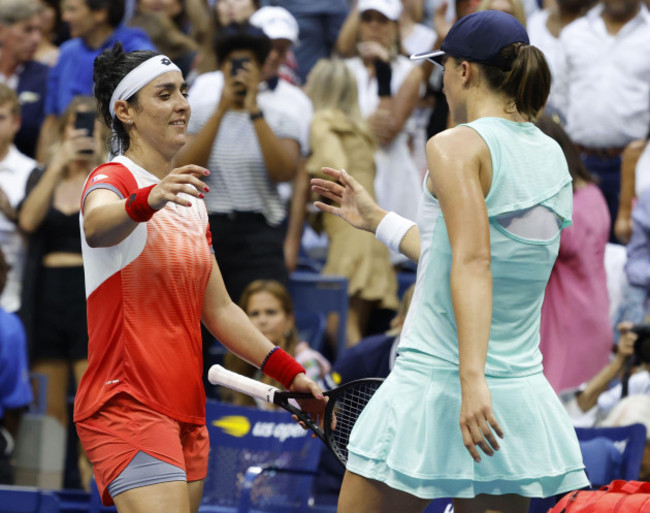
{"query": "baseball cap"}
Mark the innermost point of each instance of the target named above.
(480, 37)
(392, 9)
(276, 22)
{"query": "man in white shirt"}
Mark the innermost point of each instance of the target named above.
(15, 169)
(603, 86)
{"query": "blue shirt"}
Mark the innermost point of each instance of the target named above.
(73, 73)
(15, 391)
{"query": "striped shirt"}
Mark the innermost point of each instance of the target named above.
(239, 180)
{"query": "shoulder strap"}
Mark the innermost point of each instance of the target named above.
(628, 487)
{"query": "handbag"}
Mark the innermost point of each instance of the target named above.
(617, 497)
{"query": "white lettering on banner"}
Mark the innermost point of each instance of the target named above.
(279, 431)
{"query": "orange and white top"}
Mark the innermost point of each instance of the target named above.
(144, 303)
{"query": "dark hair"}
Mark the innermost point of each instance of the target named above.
(555, 131)
(241, 37)
(114, 8)
(111, 66)
(527, 82)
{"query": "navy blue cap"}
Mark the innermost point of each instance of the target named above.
(480, 37)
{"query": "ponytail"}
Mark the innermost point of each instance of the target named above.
(527, 82)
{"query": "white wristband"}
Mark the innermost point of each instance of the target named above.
(391, 230)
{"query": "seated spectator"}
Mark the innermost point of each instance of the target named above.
(94, 26)
(250, 147)
(372, 357)
(269, 306)
(54, 296)
(341, 139)
(589, 404)
(15, 390)
(634, 409)
(20, 34)
(15, 169)
(575, 324)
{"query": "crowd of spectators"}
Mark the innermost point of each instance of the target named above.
(279, 89)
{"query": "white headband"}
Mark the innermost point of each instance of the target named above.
(139, 77)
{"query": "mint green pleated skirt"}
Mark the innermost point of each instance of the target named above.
(408, 436)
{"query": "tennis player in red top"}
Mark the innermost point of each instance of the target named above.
(150, 280)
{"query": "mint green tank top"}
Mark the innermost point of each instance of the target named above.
(528, 170)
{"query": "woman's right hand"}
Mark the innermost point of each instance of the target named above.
(354, 204)
(78, 146)
(182, 180)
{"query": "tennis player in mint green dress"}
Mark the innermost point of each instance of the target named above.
(466, 412)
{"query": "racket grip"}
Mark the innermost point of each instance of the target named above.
(217, 375)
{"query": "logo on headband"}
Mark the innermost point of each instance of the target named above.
(165, 61)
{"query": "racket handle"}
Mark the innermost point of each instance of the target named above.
(217, 375)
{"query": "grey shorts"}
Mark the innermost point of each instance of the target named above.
(144, 470)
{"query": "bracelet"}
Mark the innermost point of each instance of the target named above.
(137, 205)
(280, 366)
(256, 115)
(391, 230)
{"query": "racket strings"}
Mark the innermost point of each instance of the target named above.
(349, 405)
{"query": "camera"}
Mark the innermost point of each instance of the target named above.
(642, 343)
(85, 120)
(237, 64)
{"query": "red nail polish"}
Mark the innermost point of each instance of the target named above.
(189, 203)
(201, 196)
(206, 189)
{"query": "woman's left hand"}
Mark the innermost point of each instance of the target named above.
(477, 422)
(314, 407)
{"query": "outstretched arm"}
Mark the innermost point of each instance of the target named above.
(356, 206)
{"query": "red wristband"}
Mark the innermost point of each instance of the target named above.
(281, 366)
(137, 205)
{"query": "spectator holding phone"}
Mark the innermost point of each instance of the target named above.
(249, 148)
(54, 301)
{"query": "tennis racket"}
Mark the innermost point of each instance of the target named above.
(343, 408)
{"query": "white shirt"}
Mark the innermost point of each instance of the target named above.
(15, 169)
(239, 180)
(604, 80)
(421, 39)
(639, 383)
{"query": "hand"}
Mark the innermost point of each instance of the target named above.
(477, 421)
(382, 124)
(250, 76)
(78, 146)
(440, 24)
(315, 408)
(625, 347)
(356, 206)
(230, 88)
(6, 208)
(180, 181)
(371, 50)
(623, 228)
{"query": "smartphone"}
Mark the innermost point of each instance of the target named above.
(85, 120)
(237, 64)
